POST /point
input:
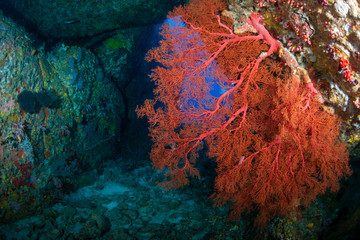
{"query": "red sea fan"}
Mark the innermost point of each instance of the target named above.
(275, 147)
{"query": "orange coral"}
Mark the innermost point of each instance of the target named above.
(274, 146)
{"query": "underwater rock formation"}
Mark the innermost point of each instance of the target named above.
(59, 116)
(64, 18)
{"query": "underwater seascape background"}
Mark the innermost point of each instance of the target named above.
(76, 162)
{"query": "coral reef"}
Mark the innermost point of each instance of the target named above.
(324, 38)
(53, 119)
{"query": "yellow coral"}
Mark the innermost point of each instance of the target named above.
(354, 139)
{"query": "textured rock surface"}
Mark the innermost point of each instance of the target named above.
(63, 18)
(58, 115)
(129, 205)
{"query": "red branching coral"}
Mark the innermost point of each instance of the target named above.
(275, 147)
